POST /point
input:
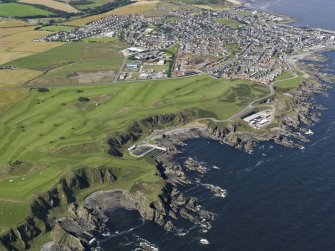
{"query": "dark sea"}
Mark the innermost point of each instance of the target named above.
(278, 198)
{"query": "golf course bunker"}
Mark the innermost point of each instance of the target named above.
(146, 150)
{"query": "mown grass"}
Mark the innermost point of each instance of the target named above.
(61, 64)
(285, 75)
(56, 28)
(287, 81)
(54, 133)
(21, 10)
(10, 212)
(229, 22)
(100, 39)
(170, 19)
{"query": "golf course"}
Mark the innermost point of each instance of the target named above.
(52, 132)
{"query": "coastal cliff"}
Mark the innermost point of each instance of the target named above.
(73, 223)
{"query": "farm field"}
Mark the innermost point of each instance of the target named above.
(51, 133)
(75, 63)
(18, 42)
(52, 4)
(21, 10)
(91, 4)
(17, 77)
(9, 96)
(135, 8)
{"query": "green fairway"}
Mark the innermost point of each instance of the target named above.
(21, 10)
(229, 22)
(72, 63)
(50, 133)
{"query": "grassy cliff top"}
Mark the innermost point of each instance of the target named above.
(52, 133)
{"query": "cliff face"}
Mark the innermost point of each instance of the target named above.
(59, 196)
(62, 196)
(136, 130)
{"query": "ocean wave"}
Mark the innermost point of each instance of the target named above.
(204, 241)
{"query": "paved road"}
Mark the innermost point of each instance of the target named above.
(117, 75)
(248, 107)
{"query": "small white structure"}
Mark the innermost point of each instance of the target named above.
(161, 62)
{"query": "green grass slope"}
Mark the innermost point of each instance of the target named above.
(51, 133)
(21, 10)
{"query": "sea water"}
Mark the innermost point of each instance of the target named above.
(278, 198)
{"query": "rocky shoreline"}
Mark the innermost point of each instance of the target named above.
(88, 220)
(84, 222)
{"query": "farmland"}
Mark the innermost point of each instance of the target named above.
(18, 41)
(135, 8)
(51, 133)
(10, 96)
(21, 10)
(72, 63)
(53, 4)
(91, 4)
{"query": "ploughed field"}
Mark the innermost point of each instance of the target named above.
(51, 133)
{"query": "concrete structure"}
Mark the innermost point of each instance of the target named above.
(259, 119)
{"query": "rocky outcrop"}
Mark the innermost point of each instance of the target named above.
(138, 128)
(60, 196)
(195, 166)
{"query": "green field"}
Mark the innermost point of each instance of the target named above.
(10, 212)
(70, 63)
(100, 39)
(21, 10)
(229, 22)
(56, 28)
(170, 19)
(50, 133)
(287, 81)
(84, 4)
(285, 75)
